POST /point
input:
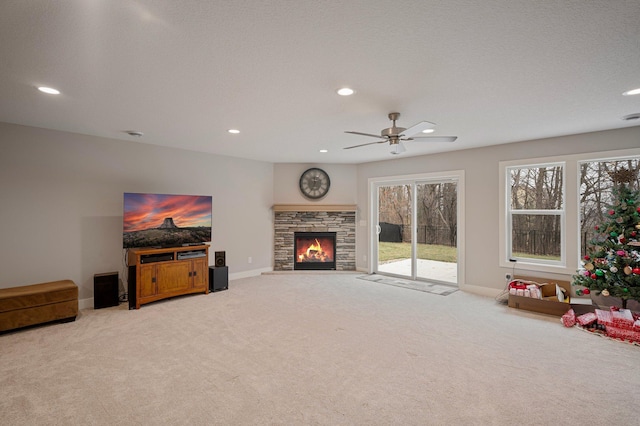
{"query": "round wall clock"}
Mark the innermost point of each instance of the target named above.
(314, 183)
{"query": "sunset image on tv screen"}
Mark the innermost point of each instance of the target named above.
(166, 220)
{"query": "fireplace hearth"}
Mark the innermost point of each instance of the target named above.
(314, 251)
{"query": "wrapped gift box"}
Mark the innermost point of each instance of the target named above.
(623, 334)
(622, 318)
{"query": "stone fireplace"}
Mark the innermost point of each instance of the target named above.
(318, 220)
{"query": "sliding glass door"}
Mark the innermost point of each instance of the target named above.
(395, 248)
(436, 233)
(416, 235)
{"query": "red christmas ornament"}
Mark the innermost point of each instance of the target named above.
(586, 291)
(597, 228)
(587, 257)
(593, 276)
(636, 271)
(623, 240)
(612, 212)
(634, 233)
(638, 209)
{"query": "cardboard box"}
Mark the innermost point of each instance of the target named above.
(549, 304)
(554, 292)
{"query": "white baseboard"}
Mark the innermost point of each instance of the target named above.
(481, 291)
(248, 274)
(85, 303)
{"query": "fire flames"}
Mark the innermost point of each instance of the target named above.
(315, 253)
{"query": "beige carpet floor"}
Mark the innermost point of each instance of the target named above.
(325, 349)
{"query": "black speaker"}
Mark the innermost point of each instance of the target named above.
(105, 290)
(218, 278)
(219, 259)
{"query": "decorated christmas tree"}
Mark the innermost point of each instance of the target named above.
(612, 264)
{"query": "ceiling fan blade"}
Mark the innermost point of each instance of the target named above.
(433, 138)
(364, 144)
(423, 125)
(365, 134)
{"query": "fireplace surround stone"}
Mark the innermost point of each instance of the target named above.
(289, 219)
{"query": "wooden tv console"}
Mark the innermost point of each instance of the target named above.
(160, 273)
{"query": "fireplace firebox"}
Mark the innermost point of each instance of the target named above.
(314, 251)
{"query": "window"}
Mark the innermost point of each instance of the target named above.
(535, 213)
(550, 207)
(595, 193)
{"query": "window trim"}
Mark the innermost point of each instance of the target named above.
(571, 183)
(509, 211)
(579, 163)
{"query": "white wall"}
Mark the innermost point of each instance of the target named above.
(61, 198)
(286, 178)
(482, 271)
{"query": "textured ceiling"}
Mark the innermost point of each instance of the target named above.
(183, 72)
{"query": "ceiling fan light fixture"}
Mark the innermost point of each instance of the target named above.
(324, 151)
(428, 130)
(345, 91)
(397, 148)
(394, 134)
(233, 131)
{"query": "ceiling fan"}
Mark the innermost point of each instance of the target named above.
(395, 135)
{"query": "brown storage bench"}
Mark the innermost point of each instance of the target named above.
(38, 304)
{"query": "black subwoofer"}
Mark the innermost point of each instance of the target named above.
(218, 278)
(105, 290)
(219, 257)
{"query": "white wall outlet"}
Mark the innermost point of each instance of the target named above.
(250, 259)
(507, 277)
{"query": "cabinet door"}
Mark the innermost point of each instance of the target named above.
(173, 277)
(147, 283)
(199, 273)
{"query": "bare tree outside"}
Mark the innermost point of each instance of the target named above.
(535, 206)
(437, 214)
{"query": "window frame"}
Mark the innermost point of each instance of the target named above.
(571, 188)
(561, 213)
(599, 159)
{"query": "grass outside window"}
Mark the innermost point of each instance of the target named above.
(388, 252)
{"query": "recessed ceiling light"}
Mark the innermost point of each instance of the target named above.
(324, 150)
(428, 130)
(49, 90)
(234, 131)
(345, 91)
(632, 92)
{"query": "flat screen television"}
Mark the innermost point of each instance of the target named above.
(165, 220)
